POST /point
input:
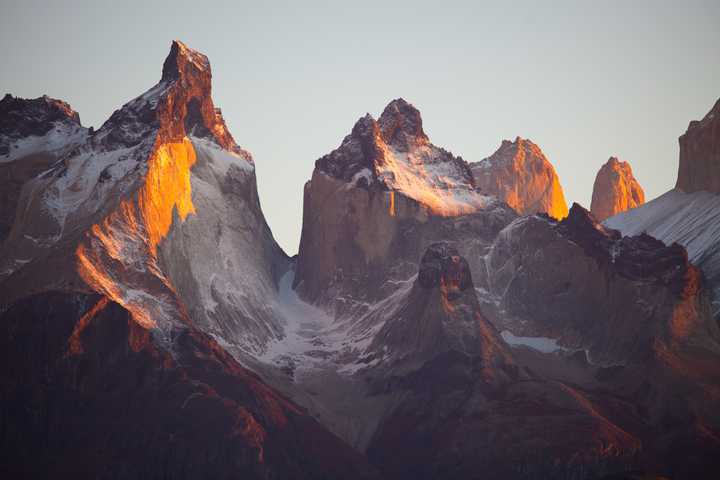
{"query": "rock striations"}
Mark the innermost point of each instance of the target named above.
(519, 174)
(615, 190)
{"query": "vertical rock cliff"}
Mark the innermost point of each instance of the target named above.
(377, 201)
(700, 154)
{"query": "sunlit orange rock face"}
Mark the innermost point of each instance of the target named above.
(615, 190)
(98, 313)
(120, 252)
(374, 204)
(519, 174)
(700, 154)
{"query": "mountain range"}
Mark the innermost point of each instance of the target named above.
(442, 318)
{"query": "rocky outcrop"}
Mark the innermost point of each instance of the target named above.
(377, 201)
(700, 154)
(690, 219)
(440, 315)
(615, 190)
(519, 174)
(80, 378)
(595, 290)
(462, 402)
(21, 118)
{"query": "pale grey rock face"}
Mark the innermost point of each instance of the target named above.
(110, 217)
(223, 260)
(592, 289)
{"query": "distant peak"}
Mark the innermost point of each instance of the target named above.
(615, 190)
(401, 124)
(364, 126)
(615, 161)
(184, 60)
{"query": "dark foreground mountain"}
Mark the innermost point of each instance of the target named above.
(88, 392)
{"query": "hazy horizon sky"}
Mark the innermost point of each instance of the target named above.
(583, 80)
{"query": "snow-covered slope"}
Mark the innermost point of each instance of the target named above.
(690, 219)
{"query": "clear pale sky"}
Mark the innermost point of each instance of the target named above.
(584, 80)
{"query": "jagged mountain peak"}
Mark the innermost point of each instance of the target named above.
(615, 190)
(183, 60)
(15, 110)
(401, 125)
(520, 174)
(21, 118)
(439, 316)
(518, 147)
(442, 266)
(180, 105)
(394, 154)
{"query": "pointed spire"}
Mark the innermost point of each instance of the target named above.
(401, 124)
(183, 60)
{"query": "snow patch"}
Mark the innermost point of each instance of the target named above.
(541, 344)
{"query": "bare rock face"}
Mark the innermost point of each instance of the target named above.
(462, 402)
(519, 174)
(441, 314)
(700, 154)
(631, 320)
(615, 190)
(111, 217)
(595, 290)
(376, 202)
